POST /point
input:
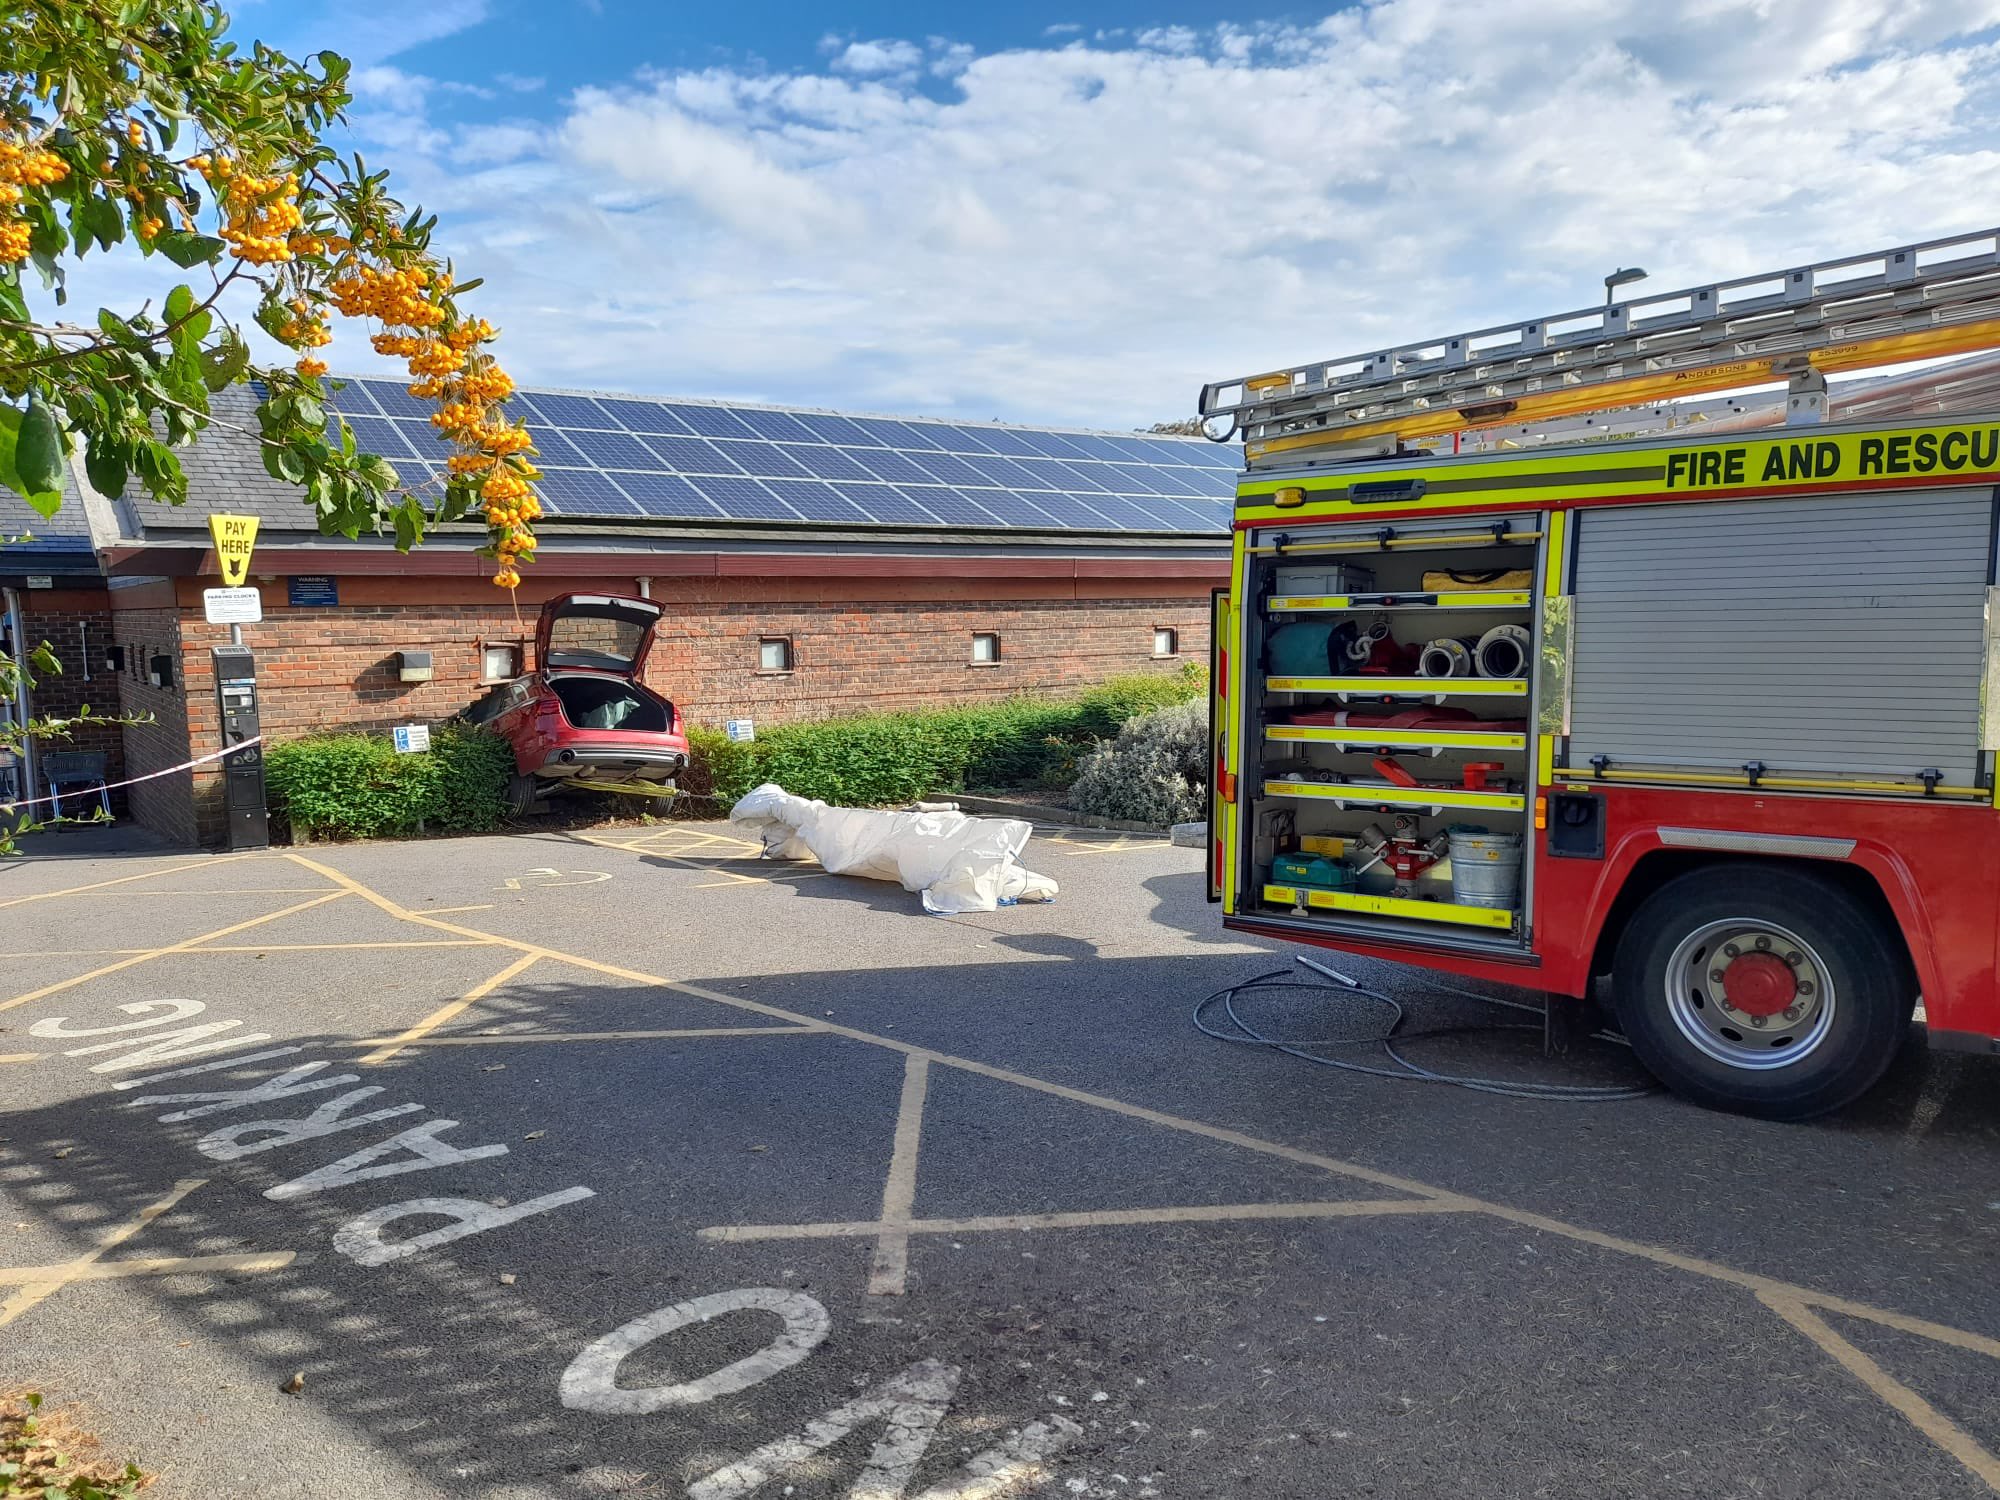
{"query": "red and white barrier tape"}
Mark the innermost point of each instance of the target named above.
(186, 765)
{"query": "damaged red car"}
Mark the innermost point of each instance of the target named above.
(582, 719)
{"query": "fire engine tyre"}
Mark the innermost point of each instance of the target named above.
(1764, 990)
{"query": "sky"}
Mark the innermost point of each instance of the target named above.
(1077, 213)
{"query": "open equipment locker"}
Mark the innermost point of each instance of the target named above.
(1323, 775)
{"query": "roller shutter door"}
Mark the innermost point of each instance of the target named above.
(1834, 634)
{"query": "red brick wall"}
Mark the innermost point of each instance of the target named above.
(70, 620)
(859, 644)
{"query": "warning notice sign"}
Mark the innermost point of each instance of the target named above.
(235, 539)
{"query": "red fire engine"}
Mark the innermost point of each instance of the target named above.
(1712, 715)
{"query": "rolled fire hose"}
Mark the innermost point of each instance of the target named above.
(1502, 652)
(1445, 658)
(1363, 645)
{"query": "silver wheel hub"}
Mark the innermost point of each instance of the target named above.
(1750, 993)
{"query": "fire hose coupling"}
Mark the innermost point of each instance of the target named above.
(1362, 647)
(1445, 658)
(1502, 652)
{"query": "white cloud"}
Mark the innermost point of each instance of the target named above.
(887, 56)
(1089, 229)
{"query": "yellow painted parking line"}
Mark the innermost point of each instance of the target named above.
(506, 1038)
(184, 946)
(1912, 1407)
(18, 1057)
(1222, 1213)
(483, 906)
(889, 1268)
(38, 1283)
(451, 1008)
(78, 890)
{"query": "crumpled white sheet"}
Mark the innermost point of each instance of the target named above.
(959, 863)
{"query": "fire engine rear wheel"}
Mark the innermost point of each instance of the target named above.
(1762, 989)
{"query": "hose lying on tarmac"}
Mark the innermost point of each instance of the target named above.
(1244, 1034)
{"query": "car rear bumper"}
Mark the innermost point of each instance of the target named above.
(613, 763)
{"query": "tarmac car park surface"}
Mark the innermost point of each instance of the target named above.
(805, 1193)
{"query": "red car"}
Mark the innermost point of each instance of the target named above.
(582, 718)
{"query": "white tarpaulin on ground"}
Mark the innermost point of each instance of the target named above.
(959, 863)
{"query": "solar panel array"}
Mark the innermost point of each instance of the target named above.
(626, 458)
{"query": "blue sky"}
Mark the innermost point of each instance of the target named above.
(1078, 214)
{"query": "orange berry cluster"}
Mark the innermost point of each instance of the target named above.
(259, 214)
(311, 367)
(411, 304)
(21, 168)
(388, 295)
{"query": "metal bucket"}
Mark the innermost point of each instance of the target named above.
(1485, 868)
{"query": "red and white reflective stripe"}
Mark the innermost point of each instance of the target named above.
(186, 765)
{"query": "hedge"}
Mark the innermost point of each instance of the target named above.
(357, 786)
(877, 759)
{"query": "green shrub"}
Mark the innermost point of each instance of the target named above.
(879, 759)
(719, 771)
(1156, 771)
(357, 786)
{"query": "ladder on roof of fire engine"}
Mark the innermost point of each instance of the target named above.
(1921, 301)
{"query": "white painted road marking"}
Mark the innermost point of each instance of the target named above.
(591, 1381)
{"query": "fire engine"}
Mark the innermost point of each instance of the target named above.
(1710, 715)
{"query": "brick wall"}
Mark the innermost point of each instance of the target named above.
(857, 645)
(76, 624)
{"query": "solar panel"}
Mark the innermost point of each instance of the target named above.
(879, 432)
(1012, 508)
(1132, 515)
(953, 507)
(667, 495)
(889, 504)
(711, 421)
(824, 462)
(950, 469)
(744, 499)
(1083, 476)
(615, 450)
(395, 401)
(897, 468)
(1138, 479)
(583, 492)
(646, 416)
(379, 435)
(1045, 473)
(766, 460)
(1000, 440)
(554, 447)
(1178, 481)
(619, 456)
(775, 425)
(566, 411)
(816, 500)
(831, 429)
(692, 455)
(1003, 472)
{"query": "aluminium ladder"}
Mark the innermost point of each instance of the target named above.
(1922, 301)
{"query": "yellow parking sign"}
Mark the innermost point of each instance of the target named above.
(235, 539)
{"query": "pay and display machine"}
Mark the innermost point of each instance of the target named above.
(247, 821)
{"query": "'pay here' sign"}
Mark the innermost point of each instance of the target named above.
(235, 539)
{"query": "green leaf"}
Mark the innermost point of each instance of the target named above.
(224, 364)
(99, 219)
(105, 468)
(38, 458)
(187, 249)
(180, 302)
(409, 519)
